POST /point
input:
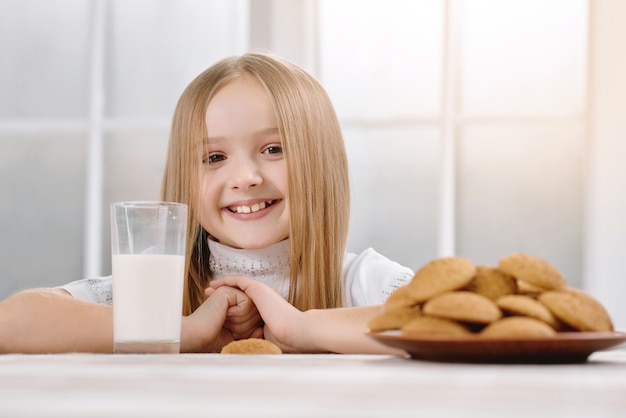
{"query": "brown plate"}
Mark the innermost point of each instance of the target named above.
(565, 347)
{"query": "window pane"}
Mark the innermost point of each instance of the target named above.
(134, 164)
(520, 189)
(524, 57)
(42, 194)
(44, 47)
(158, 47)
(394, 181)
(382, 60)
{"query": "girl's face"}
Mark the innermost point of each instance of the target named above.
(243, 179)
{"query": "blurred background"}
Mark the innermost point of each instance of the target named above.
(473, 127)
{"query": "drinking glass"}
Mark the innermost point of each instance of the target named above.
(148, 262)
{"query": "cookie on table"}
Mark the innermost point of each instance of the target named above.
(463, 306)
(426, 325)
(492, 283)
(521, 305)
(532, 270)
(393, 318)
(441, 275)
(517, 327)
(577, 309)
(251, 346)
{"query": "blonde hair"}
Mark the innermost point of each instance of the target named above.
(316, 165)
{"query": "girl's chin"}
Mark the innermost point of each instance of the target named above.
(252, 244)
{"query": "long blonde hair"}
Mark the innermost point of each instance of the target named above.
(316, 165)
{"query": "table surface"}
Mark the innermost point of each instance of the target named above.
(296, 385)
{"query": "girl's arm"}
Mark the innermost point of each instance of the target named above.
(341, 330)
(52, 321)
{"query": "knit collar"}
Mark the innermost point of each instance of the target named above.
(269, 265)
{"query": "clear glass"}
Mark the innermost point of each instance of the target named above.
(148, 257)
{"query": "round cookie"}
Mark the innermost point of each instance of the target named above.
(533, 270)
(441, 275)
(463, 306)
(492, 283)
(577, 309)
(393, 318)
(526, 306)
(251, 346)
(400, 298)
(423, 325)
(526, 288)
(517, 327)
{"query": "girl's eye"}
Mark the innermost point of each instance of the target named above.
(273, 149)
(213, 159)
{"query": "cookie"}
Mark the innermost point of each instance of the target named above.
(533, 270)
(251, 346)
(393, 318)
(492, 283)
(423, 325)
(521, 305)
(463, 306)
(526, 288)
(440, 275)
(517, 327)
(577, 309)
(400, 298)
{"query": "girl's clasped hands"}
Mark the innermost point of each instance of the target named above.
(247, 309)
(227, 315)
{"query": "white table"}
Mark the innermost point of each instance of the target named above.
(214, 385)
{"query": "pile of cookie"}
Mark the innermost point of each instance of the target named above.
(524, 296)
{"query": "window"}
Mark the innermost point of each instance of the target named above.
(465, 121)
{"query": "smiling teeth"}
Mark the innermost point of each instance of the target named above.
(251, 209)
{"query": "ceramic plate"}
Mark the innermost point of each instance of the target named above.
(565, 347)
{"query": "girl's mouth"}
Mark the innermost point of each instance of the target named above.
(252, 208)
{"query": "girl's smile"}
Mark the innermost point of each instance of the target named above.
(248, 208)
(244, 189)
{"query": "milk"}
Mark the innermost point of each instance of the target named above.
(147, 298)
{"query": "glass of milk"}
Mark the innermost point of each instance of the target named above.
(148, 261)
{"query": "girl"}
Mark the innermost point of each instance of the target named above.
(269, 199)
(257, 153)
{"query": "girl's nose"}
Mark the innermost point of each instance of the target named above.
(245, 174)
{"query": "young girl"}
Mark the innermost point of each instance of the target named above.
(257, 153)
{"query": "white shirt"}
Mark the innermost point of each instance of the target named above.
(368, 278)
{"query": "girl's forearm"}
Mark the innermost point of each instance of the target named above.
(52, 321)
(342, 330)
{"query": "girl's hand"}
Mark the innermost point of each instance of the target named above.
(205, 331)
(284, 324)
(243, 319)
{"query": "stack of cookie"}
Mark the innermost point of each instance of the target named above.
(523, 296)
